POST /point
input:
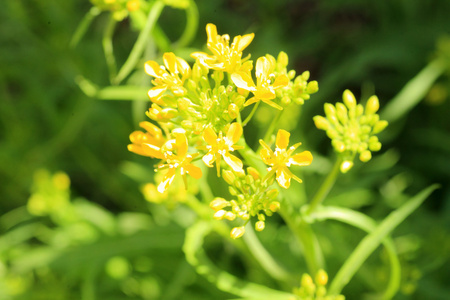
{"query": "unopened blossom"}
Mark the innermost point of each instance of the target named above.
(225, 57)
(147, 143)
(282, 158)
(266, 82)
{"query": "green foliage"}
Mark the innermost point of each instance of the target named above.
(74, 224)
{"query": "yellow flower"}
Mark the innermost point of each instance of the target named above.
(282, 159)
(220, 146)
(266, 82)
(148, 143)
(170, 76)
(225, 58)
(176, 156)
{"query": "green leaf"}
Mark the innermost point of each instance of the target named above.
(374, 239)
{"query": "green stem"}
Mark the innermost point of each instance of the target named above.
(191, 25)
(139, 46)
(83, 26)
(108, 47)
(271, 128)
(264, 258)
(255, 107)
(325, 187)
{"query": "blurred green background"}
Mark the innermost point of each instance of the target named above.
(111, 243)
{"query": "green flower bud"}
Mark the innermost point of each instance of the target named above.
(338, 145)
(380, 126)
(169, 113)
(218, 203)
(305, 75)
(330, 111)
(274, 206)
(283, 59)
(342, 113)
(346, 166)
(233, 110)
(313, 87)
(372, 105)
(230, 216)
(260, 225)
(232, 191)
(321, 122)
(365, 156)
(375, 146)
(349, 99)
(219, 215)
(332, 134)
(291, 74)
(237, 232)
(321, 277)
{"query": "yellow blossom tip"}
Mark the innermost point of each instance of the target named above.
(237, 232)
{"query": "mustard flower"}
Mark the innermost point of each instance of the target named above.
(147, 143)
(170, 76)
(282, 159)
(266, 82)
(176, 156)
(225, 57)
(221, 146)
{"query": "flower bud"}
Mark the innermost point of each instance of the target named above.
(252, 171)
(321, 122)
(321, 277)
(260, 225)
(218, 203)
(346, 166)
(342, 113)
(372, 105)
(233, 110)
(169, 113)
(237, 232)
(313, 87)
(349, 99)
(274, 206)
(228, 176)
(305, 75)
(379, 126)
(365, 156)
(230, 216)
(219, 215)
(283, 59)
(338, 145)
(291, 74)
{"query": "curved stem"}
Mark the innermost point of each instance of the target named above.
(325, 187)
(264, 258)
(83, 26)
(108, 47)
(365, 223)
(139, 46)
(191, 25)
(249, 117)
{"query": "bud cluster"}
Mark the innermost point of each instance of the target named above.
(315, 289)
(253, 197)
(352, 128)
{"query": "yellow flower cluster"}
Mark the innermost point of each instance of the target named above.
(197, 111)
(119, 8)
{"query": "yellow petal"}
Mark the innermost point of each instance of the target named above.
(234, 132)
(152, 151)
(251, 101)
(283, 178)
(152, 68)
(137, 137)
(170, 61)
(301, 159)
(182, 144)
(211, 31)
(273, 104)
(209, 136)
(265, 94)
(266, 156)
(167, 180)
(244, 41)
(244, 81)
(265, 146)
(156, 92)
(280, 81)
(208, 159)
(282, 140)
(234, 162)
(151, 128)
(263, 67)
(194, 171)
(183, 67)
